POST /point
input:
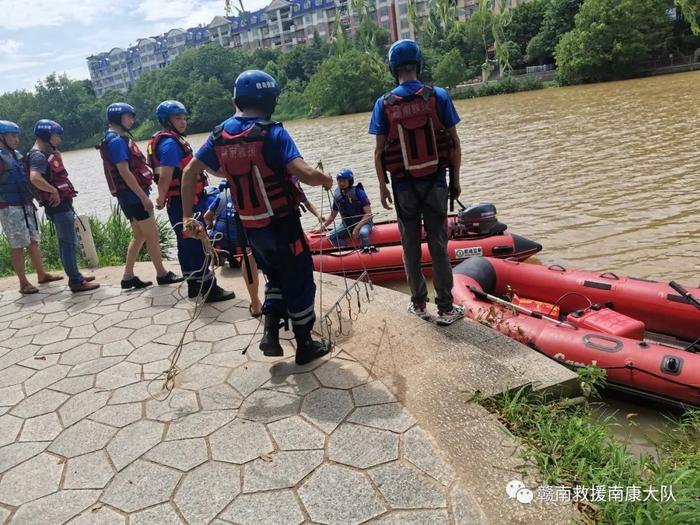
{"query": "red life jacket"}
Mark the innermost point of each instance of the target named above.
(137, 165)
(57, 176)
(418, 143)
(176, 180)
(259, 193)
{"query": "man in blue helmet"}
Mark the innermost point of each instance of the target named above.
(417, 143)
(259, 159)
(168, 154)
(352, 203)
(17, 213)
(129, 179)
(55, 192)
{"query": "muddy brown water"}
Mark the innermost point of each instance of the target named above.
(605, 177)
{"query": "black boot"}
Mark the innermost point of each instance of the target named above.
(308, 349)
(215, 295)
(169, 278)
(270, 342)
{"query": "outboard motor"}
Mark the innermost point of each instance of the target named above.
(478, 220)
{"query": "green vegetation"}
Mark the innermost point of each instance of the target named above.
(588, 40)
(571, 446)
(501, 87)
(111, 242)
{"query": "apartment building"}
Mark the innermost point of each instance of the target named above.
(118, 68)
(282, 24)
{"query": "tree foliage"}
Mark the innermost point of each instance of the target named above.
(450, 70)
(612, 39)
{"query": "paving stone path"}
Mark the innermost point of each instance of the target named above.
(242, 439)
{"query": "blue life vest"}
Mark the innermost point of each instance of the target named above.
(349, 205)
(14, 184)
(225, 221)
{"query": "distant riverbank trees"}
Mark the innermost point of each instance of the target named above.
(588, 41)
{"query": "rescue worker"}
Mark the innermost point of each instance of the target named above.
(222, 220)
(355, 210)
(17, 213)
(55, 192)
(259, 159)
(129, 179)
(168, 154)
(417, 142)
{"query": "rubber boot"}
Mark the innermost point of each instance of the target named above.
(270, 342)
(308, 349)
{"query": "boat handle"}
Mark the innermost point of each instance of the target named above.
(556, 267)
(609, 275)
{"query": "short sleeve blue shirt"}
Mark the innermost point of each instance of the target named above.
(446, 111)
(170, 153)
(279, 149)
(117, 148)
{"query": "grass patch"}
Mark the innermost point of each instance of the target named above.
(501, 87)
(111, 238)
(572, 447)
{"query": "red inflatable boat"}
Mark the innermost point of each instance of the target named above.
(635, 329)
(475, 231)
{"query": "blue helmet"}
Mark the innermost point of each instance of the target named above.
(346, 174)
(255, 86)
(116, 110)
(7, 126)
(167, 109)
(403, 52)
(44, 128)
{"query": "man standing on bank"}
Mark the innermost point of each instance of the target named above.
(259, 159)
(55, 193)
(417, 142)
(168, 154)
(17, 212)
(129, 179)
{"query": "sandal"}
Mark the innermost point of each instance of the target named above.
(29, 289)
(254, 315)
(50, 278)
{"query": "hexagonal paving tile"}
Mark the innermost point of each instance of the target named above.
(83, 437)
(95, 366)
(267, 508)
(420, 451)
(220, 397)
(392, 416)
(44, 378)
(251, 440)
(299, 384)
(110, 335)
(118, 415)
(133, 440)
(179, 404)
(326, 408)
(40, 428)
(150, 352)
(9, 429)
(56, 508)
(91, 471)
(183, 454)
(215, 332)
(82, 405)
(40, 403)
(405, 487)
(160, 515)
(285, 470)
(16, 453)
(341, 374)
(341, 496)
(374, 393)
(201, 376)
(140, 485)
(294, 433)
(119, 375)
(249, 377)
(80, 354)
(207, 490)
(417, 517)
(98, 515)
(362, 447)
(199, 424)
(31, 480)
(267, 406)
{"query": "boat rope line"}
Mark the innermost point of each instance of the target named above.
(630, 366)
(353, 288)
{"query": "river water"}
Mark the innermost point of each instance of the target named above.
(604, 176)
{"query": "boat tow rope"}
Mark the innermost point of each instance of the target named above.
(354, 287)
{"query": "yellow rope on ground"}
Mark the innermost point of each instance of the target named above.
(211, 258)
